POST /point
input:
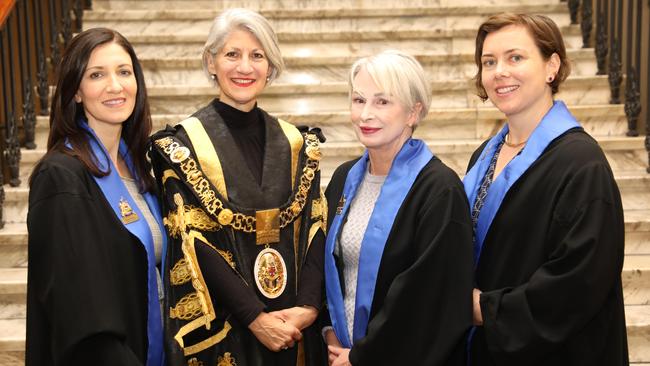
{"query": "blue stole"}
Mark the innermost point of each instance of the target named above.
(114, 190)
(557, 121)
(407, 165)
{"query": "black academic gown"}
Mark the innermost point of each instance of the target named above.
(224, 257)
(550, 267)
(422, 304)
(87, 275)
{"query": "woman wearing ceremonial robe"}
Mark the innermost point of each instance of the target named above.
(244, 214)
(398, 250)
(547, 214)
(95, 229)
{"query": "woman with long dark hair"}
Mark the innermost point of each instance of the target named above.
(95, 230)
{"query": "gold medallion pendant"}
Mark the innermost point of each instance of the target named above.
(270, 273)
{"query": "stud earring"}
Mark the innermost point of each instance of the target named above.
(550, 79)
(213, 77)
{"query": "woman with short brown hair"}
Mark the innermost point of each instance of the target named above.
(547, 214)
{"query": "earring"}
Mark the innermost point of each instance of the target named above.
(268, 78)
(550, 79)
(213, 77)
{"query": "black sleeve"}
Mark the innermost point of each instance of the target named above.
(588, 236)
(226, 287)
(427, 309)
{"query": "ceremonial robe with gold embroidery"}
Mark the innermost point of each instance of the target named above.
(238, 247)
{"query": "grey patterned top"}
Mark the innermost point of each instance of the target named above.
(351, 236)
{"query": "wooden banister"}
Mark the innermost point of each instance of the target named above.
(5, 9)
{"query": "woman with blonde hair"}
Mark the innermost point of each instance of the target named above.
(398, 253)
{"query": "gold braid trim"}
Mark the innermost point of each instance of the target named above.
(209, 342)
(188, 308)
(205, 153)
(319, 217)
(215, 207)
(295, 139)
(193, 217)
(203, 303)
(180, 274)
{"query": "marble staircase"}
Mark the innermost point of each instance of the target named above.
(320, 40)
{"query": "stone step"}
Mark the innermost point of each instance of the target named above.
(13, 237)
(317, 20)
(637, 319)
(306, 9)
(342, 7)
(636, 279)
(440, 123)
(637, 232)
(626, 155)
(12, 358)
(12, 336)
(325, 67)
(330, 97)
(13, 245)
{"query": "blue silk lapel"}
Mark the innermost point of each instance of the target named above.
(407, 165)
(557, 121)
(114, 190)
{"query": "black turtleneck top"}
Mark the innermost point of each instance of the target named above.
(247, 129)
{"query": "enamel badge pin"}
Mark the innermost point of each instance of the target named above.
(126, 212)
(339, 207)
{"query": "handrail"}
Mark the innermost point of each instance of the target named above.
(620, 53)
(33, 34)
(5, 8)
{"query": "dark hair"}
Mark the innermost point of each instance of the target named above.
(544, 32)
(65, 112)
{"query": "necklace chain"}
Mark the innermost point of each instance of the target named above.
(510, 144)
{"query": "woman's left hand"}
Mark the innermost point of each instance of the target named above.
(299, 316)
(478, 317)
(341, 356)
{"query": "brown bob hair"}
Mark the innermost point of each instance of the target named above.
(67, 114)
(545, 33)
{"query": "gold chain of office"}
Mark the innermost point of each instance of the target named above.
(226, 217)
